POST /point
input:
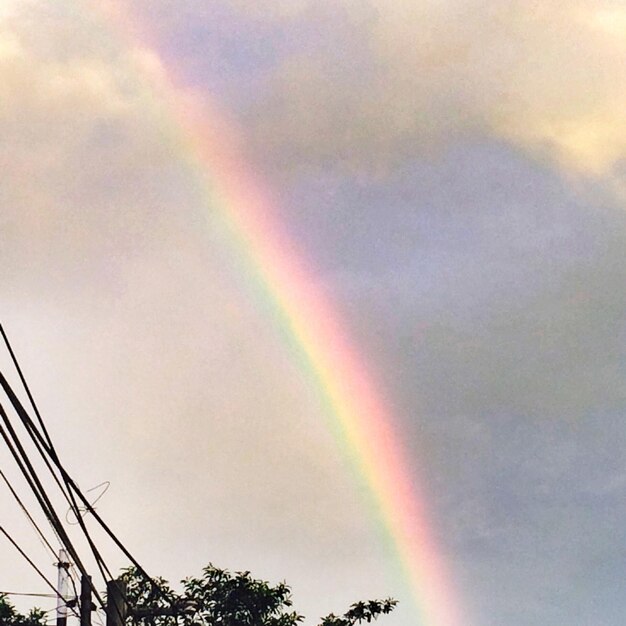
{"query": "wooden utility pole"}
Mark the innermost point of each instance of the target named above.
(63, 574)
(117, 609)
(85, 601)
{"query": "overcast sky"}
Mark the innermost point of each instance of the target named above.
(452, 174)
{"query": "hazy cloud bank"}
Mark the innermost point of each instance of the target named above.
(547, 77)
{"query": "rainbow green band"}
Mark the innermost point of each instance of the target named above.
(362, 423)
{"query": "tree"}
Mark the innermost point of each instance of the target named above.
(9, 616)
(218, 597)
(229, 599)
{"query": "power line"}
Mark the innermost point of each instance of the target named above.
(31, 563)
(45, 447)
(30, 595)
(28, 515)
(46, 451)
(21, 458)
(31, 476)
(35, 434)
(7, 343)
(31, 399)
(30, 427)
(24, 466)
(51, 452)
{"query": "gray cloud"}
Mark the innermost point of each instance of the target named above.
(503, 340)
(407, 77)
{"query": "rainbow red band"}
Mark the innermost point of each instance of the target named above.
(363, 425)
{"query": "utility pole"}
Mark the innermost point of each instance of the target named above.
(117, 608)
(63, 575)
(85, 601)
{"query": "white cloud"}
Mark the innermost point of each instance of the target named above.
(547, 77)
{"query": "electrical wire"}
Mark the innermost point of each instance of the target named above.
(30, 595)
(98, 618)
(106, 484)
(29, 473)
(21, 458)
(47, 451)
(35, 434)
(16, 364)
(31, 563)
(50, 450)
(28, 515)
(36, 488)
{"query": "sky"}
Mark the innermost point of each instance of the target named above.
(452, 177)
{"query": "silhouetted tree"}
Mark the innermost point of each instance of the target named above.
(232, 599)
(9, 616)
(217, 597)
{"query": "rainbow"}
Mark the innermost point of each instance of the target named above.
(362, 423)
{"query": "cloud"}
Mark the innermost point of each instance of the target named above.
(111, 276)
(407, 77)
(495, 309)
(83, 152)
(551, 354)
(369, 85)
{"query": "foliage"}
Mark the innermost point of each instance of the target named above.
(361, 612)
(224, 598)
(9, 616)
